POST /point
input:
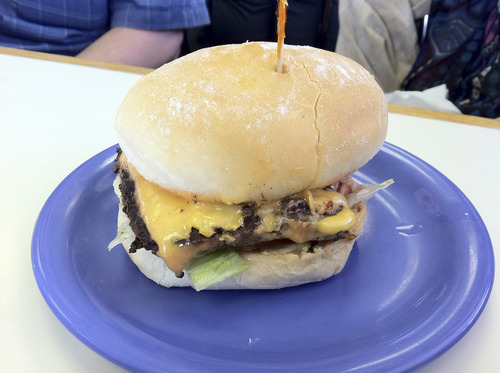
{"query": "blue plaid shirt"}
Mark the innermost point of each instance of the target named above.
(68, 26)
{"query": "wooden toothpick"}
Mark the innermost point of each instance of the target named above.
(281, 14)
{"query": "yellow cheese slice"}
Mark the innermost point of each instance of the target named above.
(171, 218)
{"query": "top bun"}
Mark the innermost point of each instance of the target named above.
(222, 124)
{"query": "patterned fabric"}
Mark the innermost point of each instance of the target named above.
(462, 50)
(68, 26)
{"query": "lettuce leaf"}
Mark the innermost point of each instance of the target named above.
(215, 267)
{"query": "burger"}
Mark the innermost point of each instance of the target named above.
(232, 175)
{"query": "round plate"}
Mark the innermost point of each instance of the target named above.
(416, 281)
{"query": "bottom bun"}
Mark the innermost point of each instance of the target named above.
(266, 270)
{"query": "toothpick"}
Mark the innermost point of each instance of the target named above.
(281, 13)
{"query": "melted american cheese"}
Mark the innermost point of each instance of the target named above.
(170, 219)
(321, 201)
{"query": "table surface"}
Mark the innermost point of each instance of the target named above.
(56, 112)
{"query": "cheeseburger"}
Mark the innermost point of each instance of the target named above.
(232, 175)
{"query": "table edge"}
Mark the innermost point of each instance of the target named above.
(396, 109)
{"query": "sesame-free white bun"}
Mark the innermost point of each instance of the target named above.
(266, 270)
(223, 124)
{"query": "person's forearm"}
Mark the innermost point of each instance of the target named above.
(135, 47)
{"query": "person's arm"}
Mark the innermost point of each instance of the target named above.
(145, 48)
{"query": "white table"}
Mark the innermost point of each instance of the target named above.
(57, 112)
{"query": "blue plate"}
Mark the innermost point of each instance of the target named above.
(416, 281)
